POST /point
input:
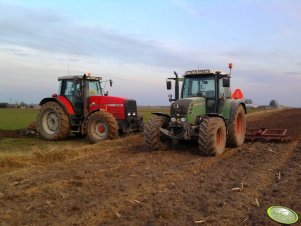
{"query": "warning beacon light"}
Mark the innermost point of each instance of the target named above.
(230, 67)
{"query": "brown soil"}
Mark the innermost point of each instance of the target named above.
(120, 183)
(18, 133)
(10, 133)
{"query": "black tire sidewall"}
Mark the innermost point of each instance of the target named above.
(233, 140)
(62, 131)
(108, 119)
(92, 136)
(208, 136)
(154, 139)
(42, 128)
(220, 125)
(241, 138)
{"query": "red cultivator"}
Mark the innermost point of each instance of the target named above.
(267, 135)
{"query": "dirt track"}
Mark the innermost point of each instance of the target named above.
(120, 183)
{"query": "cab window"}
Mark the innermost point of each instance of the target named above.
(198, 87)
(94, 88)
(224, 92)
(71, 88)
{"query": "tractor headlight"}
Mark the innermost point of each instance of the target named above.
(173, 119)
(183, 119)
(129, 113)
(134, 113)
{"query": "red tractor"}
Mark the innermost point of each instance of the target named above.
(82, 107)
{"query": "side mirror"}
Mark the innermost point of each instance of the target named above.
(226, 82)
(168, 85)
(111, 82)
(170, 97)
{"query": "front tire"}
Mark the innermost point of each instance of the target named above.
(52, 122)
(101, 125)
(237, 128)
(154, 139)
(212, 136)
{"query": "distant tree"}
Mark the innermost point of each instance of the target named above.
(249, 101)
(22, 104)
(274, 104)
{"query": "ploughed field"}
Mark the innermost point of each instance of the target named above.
(119, 182)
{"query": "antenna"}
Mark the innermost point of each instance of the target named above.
(68, 70)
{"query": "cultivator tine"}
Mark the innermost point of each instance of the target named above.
(267, 135)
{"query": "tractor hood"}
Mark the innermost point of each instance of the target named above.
(189, 108)
(106, 100)
(120, 107)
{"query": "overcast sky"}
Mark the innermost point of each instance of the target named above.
(140, 43)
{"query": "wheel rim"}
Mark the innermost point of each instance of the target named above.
(219, 138)
(99, 129)
(50, 122)
(239, 125)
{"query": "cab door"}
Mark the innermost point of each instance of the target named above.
(210, 94)
(72, 90)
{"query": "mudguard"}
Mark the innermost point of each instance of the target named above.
(216, 115)
(65, 104)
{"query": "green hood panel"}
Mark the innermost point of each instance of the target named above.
(196, 108)
(189, 108)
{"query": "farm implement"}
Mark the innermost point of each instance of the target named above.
(264, 134)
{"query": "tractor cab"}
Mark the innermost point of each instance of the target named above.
(78, 89)
(203, 92)
(207, 85)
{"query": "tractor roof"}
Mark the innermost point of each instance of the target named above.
(71, 77)
(205, 72)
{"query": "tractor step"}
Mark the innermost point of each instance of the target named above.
(267, 135)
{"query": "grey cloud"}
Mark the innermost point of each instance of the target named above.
(15, 51)
(50, 31)
(297, 73)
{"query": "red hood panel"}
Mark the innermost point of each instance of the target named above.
(107, 99)
(114, 105)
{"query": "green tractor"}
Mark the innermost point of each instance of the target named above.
(207, 112)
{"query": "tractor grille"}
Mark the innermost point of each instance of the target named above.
(130, 107)
(180, 107)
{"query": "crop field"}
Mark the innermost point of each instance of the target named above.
(120, 182)
(16, 118)
(12, 118)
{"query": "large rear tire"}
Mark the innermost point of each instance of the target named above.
(101, 125)
(154, 139)
(212, 136)
(237, 128)
(52, 122)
